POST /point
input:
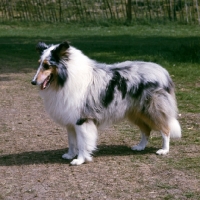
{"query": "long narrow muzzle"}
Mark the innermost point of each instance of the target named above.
(34, 80)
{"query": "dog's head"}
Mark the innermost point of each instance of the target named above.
(52, 68)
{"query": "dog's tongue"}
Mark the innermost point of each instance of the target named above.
(44, 84)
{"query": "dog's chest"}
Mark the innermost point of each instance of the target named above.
(62, 110)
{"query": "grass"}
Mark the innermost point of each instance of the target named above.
(175, 47)
(29, 154)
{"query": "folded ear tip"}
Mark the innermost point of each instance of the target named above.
(40, 43)
(60, 50)
(65, 44)
(41, 46)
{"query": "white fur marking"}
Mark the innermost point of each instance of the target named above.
(86, 142)
(175, 129)
(73, 151)
(165, 147)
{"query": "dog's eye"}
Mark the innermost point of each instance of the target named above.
(46, 66)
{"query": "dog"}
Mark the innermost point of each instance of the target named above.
(84, 96)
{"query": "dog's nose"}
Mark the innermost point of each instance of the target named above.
(33, 82)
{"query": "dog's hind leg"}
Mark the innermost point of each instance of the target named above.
(72, 142)
(145, 133)
(143, 142)
(174, 131)
(86, 141)
(165, 145)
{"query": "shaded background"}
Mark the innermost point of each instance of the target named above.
(101, 11)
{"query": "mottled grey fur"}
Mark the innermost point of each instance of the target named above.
(150, 100)
(85, 95)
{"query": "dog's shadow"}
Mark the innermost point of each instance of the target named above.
(55, 156)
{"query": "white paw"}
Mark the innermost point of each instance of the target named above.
(81, 161)
(77, 162)
(68, 156)
(137, 148)
(162, 151)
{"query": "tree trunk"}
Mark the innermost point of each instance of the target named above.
(129, 11)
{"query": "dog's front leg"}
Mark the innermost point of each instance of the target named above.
(72, 142)
(86, 141)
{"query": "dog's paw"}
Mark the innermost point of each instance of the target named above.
(68, 156)
(81, 161)
(162, 151)
(137, 148)
(77, 162)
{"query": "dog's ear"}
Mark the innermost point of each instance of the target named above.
(41, 46)
(60, 51)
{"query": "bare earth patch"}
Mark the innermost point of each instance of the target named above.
(31, 146)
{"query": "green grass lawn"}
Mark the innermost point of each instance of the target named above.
(175, 47)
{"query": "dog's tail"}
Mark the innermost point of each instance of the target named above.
(175, 129)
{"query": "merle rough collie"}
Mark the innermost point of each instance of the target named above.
(84, 95)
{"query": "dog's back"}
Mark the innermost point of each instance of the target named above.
(83, 95)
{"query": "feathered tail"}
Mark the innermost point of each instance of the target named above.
(175, 129)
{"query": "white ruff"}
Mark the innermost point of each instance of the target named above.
(64, 105)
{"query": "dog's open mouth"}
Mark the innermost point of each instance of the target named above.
(47, 82)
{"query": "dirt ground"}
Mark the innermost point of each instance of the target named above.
(31, 146)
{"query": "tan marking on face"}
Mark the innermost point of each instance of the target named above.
(43, 74)
(46, 62)
(46, 71)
